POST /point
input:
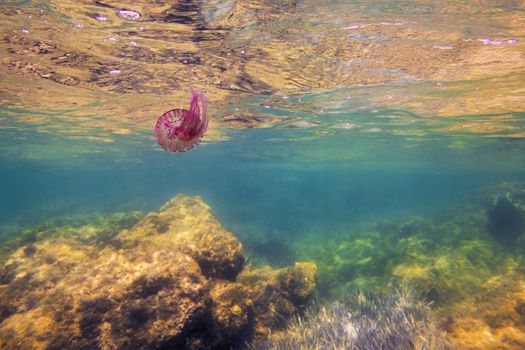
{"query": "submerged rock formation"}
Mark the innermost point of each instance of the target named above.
(493, 318)
(506, 213)
(468, 263)
(175, 280)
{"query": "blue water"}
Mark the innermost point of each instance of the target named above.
(259, 187)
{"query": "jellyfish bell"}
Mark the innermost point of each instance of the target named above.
(178, 130)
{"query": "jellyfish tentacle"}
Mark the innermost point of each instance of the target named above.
(192, 126)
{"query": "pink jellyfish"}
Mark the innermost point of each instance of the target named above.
(179, 130)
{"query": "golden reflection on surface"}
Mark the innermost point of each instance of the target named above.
(116, 75)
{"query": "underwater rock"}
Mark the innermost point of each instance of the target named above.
(349, 263)
(493, 318)
(506, 221)
(90, 229)
(262, 299)
(448, 274)
(278, 294)
(447, 259)
(232, 312)
(187, 224)
(173, 280)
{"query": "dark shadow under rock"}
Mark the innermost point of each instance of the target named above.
(506, 221)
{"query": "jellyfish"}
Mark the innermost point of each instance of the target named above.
(178, 130)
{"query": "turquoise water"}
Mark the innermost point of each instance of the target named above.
(381, 140)
(273, 182)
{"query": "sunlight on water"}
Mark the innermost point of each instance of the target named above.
(381, 140)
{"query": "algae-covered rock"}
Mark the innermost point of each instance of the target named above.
(262, 298)
(276, 294)
(101, 299)
(468, 263)
(232, 311)
(187, 224)
(448, 274)
(92, 229)
(349, 262)
(173, 280)
(493, 318)
(446, 259)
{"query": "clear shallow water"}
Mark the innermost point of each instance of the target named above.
(272, 182)
(326, 117)
(314, 169)
(348, 165)
(376, 109)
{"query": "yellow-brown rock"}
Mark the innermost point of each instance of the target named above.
(187, 224)
(174, 280)
(276, 294)
(492, 319)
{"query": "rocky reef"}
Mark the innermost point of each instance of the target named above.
(468, 263)
(174, 280)
(93, 229)
(447, 258)
(491, 318)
